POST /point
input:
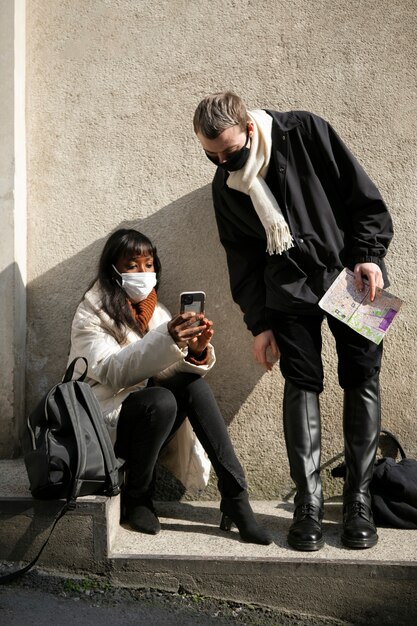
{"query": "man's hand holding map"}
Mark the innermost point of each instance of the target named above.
(353, 307)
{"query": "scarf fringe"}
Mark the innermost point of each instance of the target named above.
(278, 238)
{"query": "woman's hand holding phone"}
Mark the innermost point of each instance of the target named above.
(198, 344)
(190, 326)
(183, 330)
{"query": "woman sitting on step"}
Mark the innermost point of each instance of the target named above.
(147, 370)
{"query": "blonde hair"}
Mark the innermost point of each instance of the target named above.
(219, 111)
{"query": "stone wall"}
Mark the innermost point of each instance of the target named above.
(111, 90)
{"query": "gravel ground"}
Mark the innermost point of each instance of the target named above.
(40, 598)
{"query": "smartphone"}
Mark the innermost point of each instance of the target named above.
(192, 301)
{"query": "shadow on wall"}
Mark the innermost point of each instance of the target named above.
(185, 234)
(7, 348)
(12, 350)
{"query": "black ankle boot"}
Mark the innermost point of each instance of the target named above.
(305, 532)
(140, 514)
(239, 511)
(361, 426)
(359, 530)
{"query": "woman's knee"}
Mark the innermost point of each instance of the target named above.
(146, 419)
(153, 401)
(184, 384)
(197, 389)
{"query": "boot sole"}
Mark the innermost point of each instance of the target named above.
(359, 544)
(306, 546)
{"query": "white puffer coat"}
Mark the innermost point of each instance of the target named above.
(115, 369)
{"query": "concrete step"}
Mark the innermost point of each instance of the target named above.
(80, 540)
(191, 553)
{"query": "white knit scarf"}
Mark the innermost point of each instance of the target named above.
(250, 180)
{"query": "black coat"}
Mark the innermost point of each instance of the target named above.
(336, 215)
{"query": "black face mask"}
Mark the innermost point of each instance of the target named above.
(237, 160)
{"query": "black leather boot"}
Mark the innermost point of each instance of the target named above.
(302, 438)
(359, 530)
(361, 427)
(305, 532)
(237, 509)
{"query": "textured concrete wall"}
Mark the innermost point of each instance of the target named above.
(112, 86)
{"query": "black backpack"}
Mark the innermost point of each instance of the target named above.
(68, 450)
(71, 452)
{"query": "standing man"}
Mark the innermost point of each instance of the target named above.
(293, 208)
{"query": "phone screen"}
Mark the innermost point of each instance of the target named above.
(196, 305)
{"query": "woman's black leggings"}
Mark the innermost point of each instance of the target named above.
(150, 417)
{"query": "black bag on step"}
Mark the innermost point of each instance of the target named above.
(393, 487)
(70, 453)
(394, 490)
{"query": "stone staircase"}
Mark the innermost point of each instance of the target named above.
(192, 554)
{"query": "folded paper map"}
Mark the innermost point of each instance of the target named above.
(353, 307)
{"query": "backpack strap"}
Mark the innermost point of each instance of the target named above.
(8, 578)
(110, 461)
(69, 396)
(340, 470)
(72, 404)
(395, 440)
(70, 370)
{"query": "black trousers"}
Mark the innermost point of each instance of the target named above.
(299, 340)
(151, 416)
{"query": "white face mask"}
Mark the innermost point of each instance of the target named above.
(137, 285)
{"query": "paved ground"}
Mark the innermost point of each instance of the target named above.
(39, 600)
